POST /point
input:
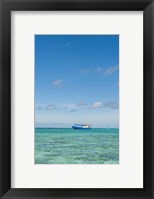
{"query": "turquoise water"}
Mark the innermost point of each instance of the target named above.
(69, 146)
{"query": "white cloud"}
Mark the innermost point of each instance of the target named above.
(68, 106)
(73, 110)
(50, 107)
(107, 71)
(105, 118)
(39, 108)
(111, 70)
(112, 105)
(81, 104)
(58, 83)
(96, 105)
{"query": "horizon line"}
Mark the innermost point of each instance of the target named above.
(71, 127)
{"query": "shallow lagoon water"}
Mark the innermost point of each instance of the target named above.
(69, 146)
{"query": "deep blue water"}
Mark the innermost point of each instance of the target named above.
(70, 146)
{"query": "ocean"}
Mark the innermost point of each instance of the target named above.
(70, 146)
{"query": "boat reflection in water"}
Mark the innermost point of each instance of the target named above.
(82, 126)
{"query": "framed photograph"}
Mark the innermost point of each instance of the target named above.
(76, 83)
(74, 93)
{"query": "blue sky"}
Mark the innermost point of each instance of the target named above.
(76, 80)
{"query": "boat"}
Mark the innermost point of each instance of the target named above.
(82, 126)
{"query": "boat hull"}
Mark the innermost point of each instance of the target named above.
(81, 128)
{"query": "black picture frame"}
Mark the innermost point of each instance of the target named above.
(6, 6)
